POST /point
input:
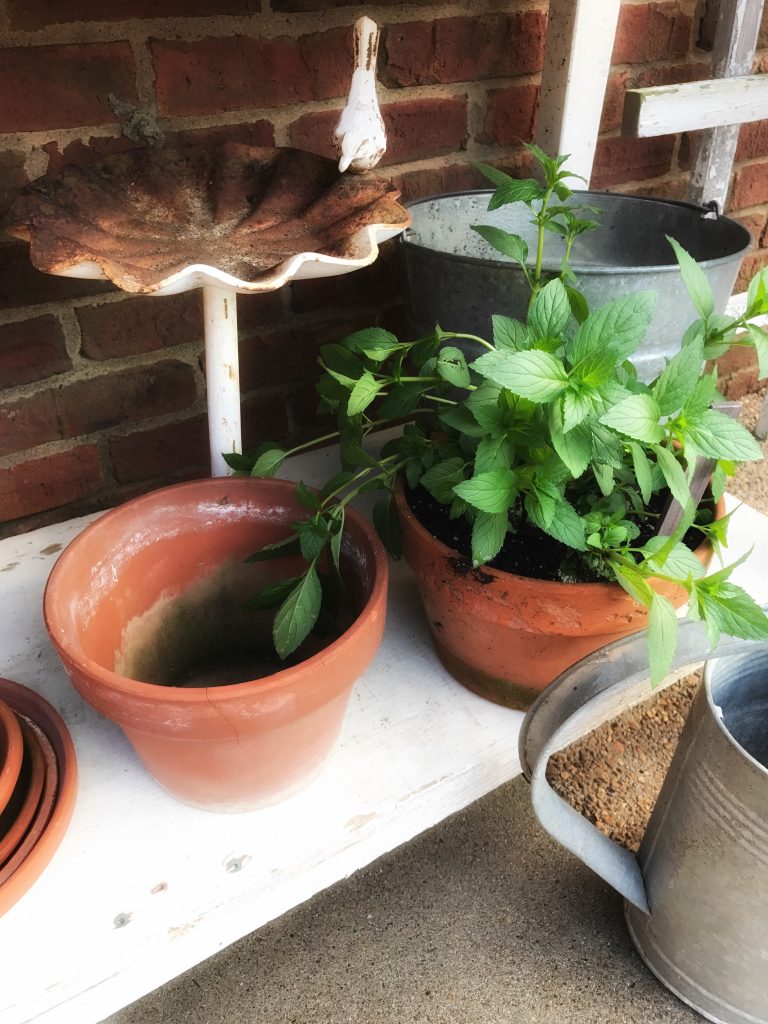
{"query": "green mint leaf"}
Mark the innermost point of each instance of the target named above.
(494, 491)
(401, 399)
(373, 342)
(502, 241)
(606, 446)
(313, 533)
(273, 595)
(678, 379)
(673, 474)
(679, 561)
(298, 614)
(307, 497)
(662, 637)
(511, 334)
(635, 584)
(493, 174)
(461, 419)
(578, 304)
(565, 525)
(441, 479)
(336, 539)
(757, 294)
(604, 478)
(732, 611)
(759, 339)
(452, 366)
(619, 325)
(694, 280)
(388, 525)
(535, 375)
(550, 311)
(643, 471)
(493, 453)
(363, 393)
(341, 363)
(488, 532)
(483, 404)
(702, 395)
(720, 437)
(576, 407)
(515, 190)
(240, 463)
(268, 462)
(575, 447)
(636, 417)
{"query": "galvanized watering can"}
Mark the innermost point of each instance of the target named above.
(696, 894)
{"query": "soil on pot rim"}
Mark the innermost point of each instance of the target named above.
(527, 550)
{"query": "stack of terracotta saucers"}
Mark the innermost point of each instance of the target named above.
(38, 785)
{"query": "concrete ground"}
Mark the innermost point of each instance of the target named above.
(482, 920)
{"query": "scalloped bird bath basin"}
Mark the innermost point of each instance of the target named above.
(230, 219)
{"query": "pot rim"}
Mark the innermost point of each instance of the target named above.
(713, 665)
(659, 268)
(206, 694)
(554, 586)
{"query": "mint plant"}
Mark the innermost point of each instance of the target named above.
(550, 427)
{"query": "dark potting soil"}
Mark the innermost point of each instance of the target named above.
(527, 550)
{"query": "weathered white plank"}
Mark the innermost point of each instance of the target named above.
(668, 109)
(580, 35)
(144, 887)
(734, 50)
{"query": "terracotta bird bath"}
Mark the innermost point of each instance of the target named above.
(228, 219)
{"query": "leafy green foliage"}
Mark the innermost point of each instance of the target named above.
(546, 424)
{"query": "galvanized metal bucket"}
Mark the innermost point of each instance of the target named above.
(455, 278)
(696, 895)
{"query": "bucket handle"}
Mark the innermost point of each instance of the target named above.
(591, 692)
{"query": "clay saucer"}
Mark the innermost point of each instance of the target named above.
(17, 816)
(11, 753)
(27, 870)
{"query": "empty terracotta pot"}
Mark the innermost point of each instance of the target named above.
(11, 753)
(507, 637)
(145, 608)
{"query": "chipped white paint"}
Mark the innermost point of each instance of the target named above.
(668, 109)
(144, 887)
(359, 136)
(580, 35)
(222, 375)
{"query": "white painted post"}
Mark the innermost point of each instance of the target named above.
(735, 39)
(580, 37)
(222, 374)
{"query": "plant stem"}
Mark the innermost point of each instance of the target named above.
(470, 337)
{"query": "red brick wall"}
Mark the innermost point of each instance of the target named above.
(102, 395)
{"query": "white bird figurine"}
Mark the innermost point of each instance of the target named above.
(359, 136)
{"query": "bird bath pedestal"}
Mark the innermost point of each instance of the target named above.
(232, 219)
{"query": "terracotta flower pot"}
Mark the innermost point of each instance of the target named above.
(11, 753)
(145, 610)
(506, 637)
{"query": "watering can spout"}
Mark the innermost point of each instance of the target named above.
(589, 693)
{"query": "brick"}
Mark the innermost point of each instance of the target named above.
(77, 152)
(464, 49)
(753, 141)
(32, 350)
(648, 32)
(667, 188)
(415, 129)
(63, 86)
(619, 160)
(50, 482)
(127, 396)
(212, 75)
(22, 285)
(371, 286)
(750, 186)
(12, 178)
(749, 267)
(737, 358)
(511, 115)
(620, 81)
(32, 14)
(755, 224)
(28, 422)
(265, 418)
(140, 324)
(688, 150)
(436, 180)
(254, 133)
(161, 451)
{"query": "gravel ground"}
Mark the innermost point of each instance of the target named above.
(613, 776)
